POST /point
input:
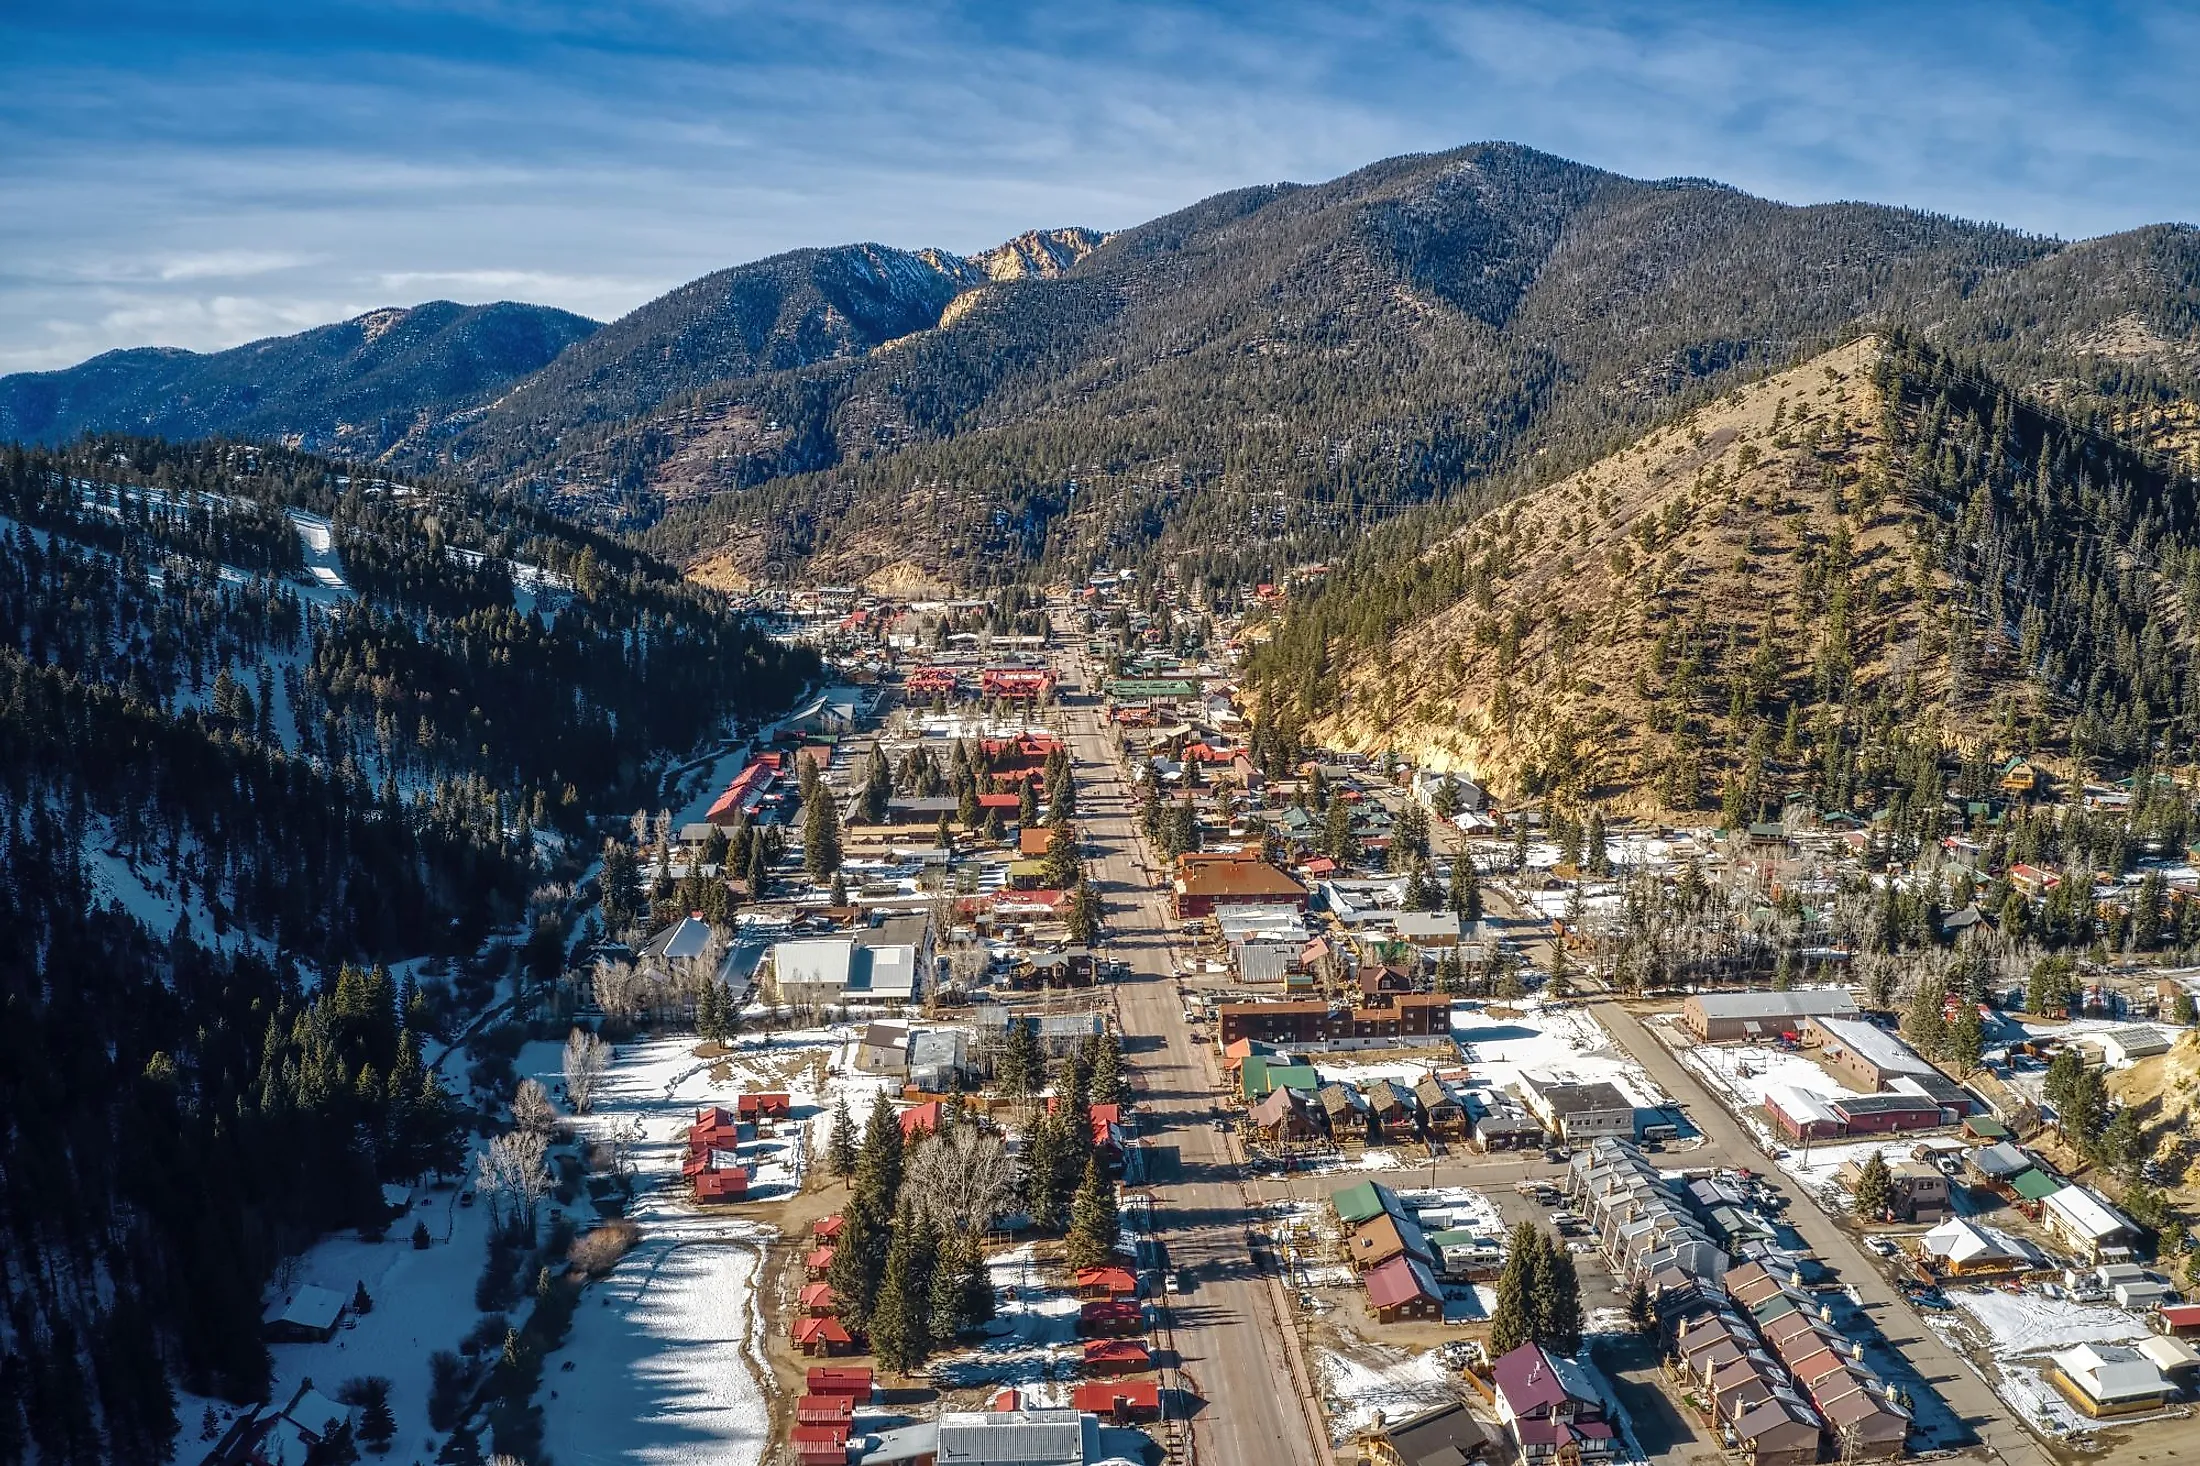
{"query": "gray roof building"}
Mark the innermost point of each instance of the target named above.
(1736, 1017)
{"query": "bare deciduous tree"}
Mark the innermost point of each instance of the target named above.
(531, 1109)
(586, 1058)
(512, 1169)
(962, 1179)
(622, 991)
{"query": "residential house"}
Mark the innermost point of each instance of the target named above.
(1394, 1110)
(1443, 1435)
(1441, 1110)
(1284, 1115)
(308, 1315)
(1403, 1288)
(1962, 1248)
(2091, 1227)
(884, 1049)
(1919, 1193)
(1119, 1401)
(1550, 1407)
(1381, 1238)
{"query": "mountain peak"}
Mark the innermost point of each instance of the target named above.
(1038, 253)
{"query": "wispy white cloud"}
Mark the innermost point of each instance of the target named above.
(244, 166)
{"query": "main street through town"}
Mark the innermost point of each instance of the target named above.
(1231, 1333)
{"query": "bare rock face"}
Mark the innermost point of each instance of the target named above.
(1044, 254)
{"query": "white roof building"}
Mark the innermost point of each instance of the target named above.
(1967, 1244)
(310, 1307)
(2122, 1047)
(2112, 1377)
(2080, 1216)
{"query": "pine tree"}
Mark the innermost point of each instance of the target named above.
(1926, 1024)
(951, 1292)
(1642, 1316)
(1094, 1220)
(1966, 1039)
(878, 1166)
(1557, 1299)
(376, 1424)
(759, 870)
(1599, 853)
(820, 833)
(1465, 896)
(1107, 1085)
(1511, 1322)
(840, 1149)
(858, 1266)
(1022, 1067)
(901, 1320)
(1042, 1173)
(1874, 1189)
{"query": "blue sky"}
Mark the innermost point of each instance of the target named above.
(204, 173)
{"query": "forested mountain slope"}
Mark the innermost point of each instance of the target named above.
(1817, 586)
(1276, 368)
(308, 723)
(360, 386)
(1246, 382)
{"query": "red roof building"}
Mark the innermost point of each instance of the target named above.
(853, 1382)
(921, 1119)
(815, 1336)
(1119, 1401)
(1403, 1288)
(827, 1229)
(817, 1299)
(818, 1445)
(1106, 1282)
(765, 1106)
(1112, 1317)
(824, 1410)
(2180, 1320)
(818, 1261)
(1116, 1356)
(721, 1183)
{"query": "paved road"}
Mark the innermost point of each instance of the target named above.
(1936, 1362)
(1232, 1332)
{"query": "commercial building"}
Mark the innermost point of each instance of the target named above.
(1208, 886)
(1753, 1017)
(1579, 1111)
(1862, 1054)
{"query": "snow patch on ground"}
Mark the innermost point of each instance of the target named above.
(1032, 1341)
(1564, 1044)
(1748, 1072)
(1378, 1377)
(317, 536)
(2020, 1331)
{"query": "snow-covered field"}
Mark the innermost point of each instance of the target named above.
(1375, 1377)
(1032, 1342)
(317, 537)
(2019, 1331)
(667, 1351)
(1747, 1072)
(1565, 1044)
